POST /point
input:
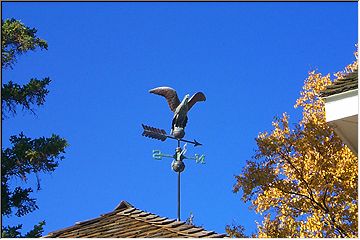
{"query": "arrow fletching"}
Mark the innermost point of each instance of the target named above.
(155, 133)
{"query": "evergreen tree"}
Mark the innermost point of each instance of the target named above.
(26, 156)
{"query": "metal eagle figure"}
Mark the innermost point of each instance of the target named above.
(180, 109)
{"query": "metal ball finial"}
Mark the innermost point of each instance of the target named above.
(178, 132)
(178, 166)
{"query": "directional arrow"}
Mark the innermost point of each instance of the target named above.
(160, 134)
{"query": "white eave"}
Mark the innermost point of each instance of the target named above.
(341, 105)
(342, 114)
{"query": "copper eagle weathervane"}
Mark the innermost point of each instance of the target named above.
(180, 109)
(179, 121)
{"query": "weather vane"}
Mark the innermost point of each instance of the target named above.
(179, 121)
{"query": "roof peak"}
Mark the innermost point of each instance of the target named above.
(123, 205)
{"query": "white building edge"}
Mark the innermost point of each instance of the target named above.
(342, 108)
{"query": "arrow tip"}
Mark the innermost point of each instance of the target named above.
(197, 143)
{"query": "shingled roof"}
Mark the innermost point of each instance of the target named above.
(127, 221)
(350, 82)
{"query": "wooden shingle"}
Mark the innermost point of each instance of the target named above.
(350, 82)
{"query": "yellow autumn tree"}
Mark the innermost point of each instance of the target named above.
(303, 180)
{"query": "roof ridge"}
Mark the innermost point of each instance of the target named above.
(121, 206)
(172, 223)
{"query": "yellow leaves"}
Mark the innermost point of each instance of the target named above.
(349, 68)
(313, 106)
(270, 197)
(314, 225)
(306, 183)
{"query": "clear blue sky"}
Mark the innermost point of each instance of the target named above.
(250, 59)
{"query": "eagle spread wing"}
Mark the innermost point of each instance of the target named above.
(197, 97)
(170, 95)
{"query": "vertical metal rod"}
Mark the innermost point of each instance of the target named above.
(179, 196)
(178, 189)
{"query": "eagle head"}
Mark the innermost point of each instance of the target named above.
(186, 98)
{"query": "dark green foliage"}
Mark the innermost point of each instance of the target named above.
(26, 157)
(17, 39)
(32, 93)
(18, 198)
(13, 232)
(37, 231)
